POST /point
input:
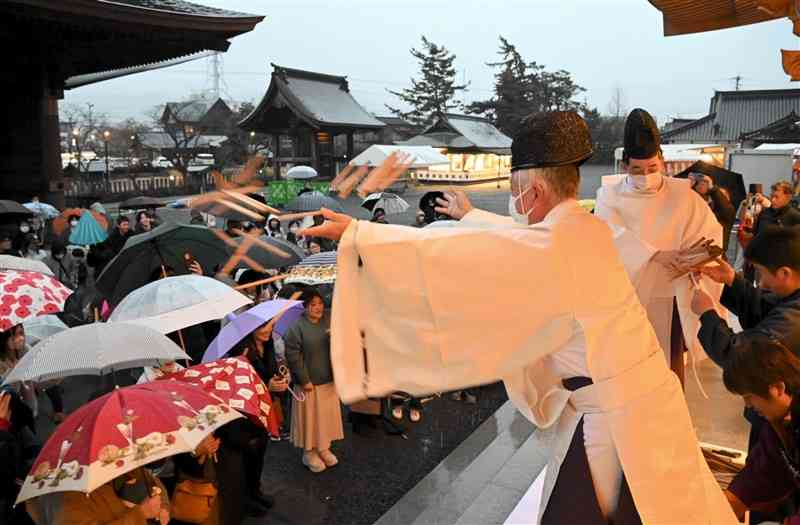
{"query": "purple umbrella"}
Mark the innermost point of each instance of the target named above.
(246, 322)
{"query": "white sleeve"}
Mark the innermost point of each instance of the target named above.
(430, 303)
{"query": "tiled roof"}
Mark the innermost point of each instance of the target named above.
(463, 132)
(179, 7)
(162, 140)
(321, 100)
(735, 113)
(782, 129)
(190, 111)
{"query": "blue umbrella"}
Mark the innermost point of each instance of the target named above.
(247, 322)
(42, 208)
(88, 231)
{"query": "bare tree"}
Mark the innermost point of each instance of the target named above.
(616, 106)
(183, 136)
(86, 133)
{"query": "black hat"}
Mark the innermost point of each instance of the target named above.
(555, 138)
(642, 138)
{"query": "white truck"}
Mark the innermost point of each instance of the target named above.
(762, 166)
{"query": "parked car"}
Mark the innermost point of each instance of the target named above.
(162, 162)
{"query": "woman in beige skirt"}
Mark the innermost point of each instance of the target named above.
(317, 421)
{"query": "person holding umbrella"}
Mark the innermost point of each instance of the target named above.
(15, 416)
(317, 421)
(379, 216)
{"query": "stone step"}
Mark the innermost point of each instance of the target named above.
(495, 440)
(501, 496)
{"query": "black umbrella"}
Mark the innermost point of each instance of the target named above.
(12, 210)
(144, 254)
(136, 203)
(730, 180)
(268, 258)
(312, 201)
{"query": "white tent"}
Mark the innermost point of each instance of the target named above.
(420, 156)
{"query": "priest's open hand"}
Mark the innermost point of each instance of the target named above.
(702, 302)
(333, 228)
(456, 204)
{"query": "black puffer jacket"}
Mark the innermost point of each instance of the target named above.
(760, 314)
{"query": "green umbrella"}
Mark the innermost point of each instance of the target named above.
(164, 246)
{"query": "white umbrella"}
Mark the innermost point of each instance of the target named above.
(9, 262)
(94, 349)
(173, 303)
(388, 202)
(418, 156)
(301, 172)
(40, 328)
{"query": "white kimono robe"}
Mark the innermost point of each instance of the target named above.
(673, 218)
(431, 310)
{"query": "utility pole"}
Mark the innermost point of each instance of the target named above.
(737, 81)
(215, 75)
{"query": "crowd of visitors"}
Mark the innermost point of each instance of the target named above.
(221, 479)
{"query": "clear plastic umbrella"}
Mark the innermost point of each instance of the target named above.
(40, 328)
(42, 209)
(301, 173)
(174, 303)
(388, 202)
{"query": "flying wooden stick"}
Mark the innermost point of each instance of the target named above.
(262, 281)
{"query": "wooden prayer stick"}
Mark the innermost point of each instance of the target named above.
(253, 203)
(241, 209)
(262, 281)
(342, 175)
(301, 215)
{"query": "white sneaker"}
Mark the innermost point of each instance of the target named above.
(312, 460)
(328, 457)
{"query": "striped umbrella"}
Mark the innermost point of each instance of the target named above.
(312, 201)
(94, 349)
(320, 259)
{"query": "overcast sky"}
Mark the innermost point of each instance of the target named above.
(604, 44)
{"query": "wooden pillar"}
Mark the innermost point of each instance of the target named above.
(350, 147)
(314, 150)
(52, 184)
(276, 155)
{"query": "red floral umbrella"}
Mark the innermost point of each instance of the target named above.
(235, 382)
(121, 431)
(26, 294)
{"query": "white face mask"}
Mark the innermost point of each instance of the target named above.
(24, 228)
(525, 187)
(649, 183)
(512, 211)
(73, 223)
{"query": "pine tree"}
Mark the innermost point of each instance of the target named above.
(435, 92)
(522, 88)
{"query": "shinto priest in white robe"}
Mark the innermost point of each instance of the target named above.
(672, 218)
(407, 316)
